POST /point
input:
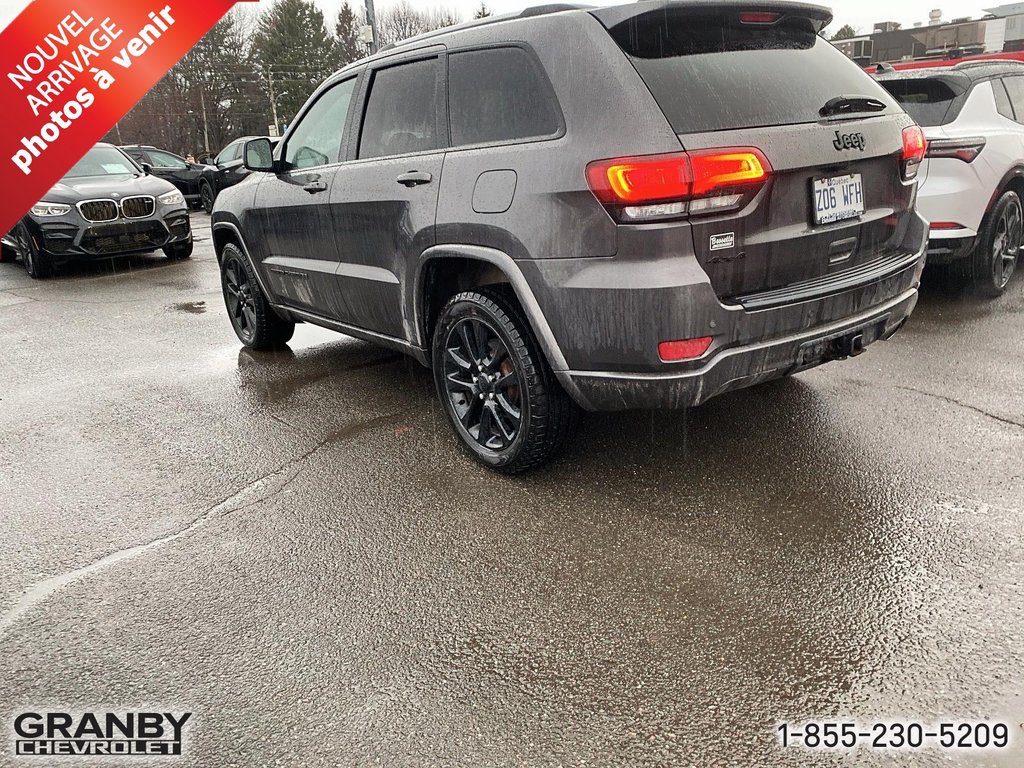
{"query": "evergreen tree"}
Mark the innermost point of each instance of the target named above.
(845, 32)
(346, 29)
(482, 12)
(294, 53)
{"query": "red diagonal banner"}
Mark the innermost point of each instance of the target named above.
(70, 69)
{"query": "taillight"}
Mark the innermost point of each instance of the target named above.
(966, 150)
(658, 187)
(914, 147)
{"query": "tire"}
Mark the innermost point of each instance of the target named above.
(255, 323)
(206, 197)
(178, 250)
(37, 263)
(495, 386)
(994, 259)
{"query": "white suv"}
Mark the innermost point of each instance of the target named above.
(971, 185)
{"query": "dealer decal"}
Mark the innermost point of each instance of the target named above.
(723, 242)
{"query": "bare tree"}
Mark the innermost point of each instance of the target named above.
(402, 20)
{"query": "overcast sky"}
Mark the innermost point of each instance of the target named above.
(860, 13)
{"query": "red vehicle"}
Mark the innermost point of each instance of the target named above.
(951, 62)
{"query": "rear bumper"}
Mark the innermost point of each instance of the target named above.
(741, 366)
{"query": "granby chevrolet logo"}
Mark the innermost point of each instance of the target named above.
(49, 734)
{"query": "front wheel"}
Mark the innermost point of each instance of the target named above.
(495, 386)
(37, 264)
(255, 322)
(995, 257)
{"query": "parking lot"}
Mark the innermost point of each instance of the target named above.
(292, 546)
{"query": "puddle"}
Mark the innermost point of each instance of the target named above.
(192, 307)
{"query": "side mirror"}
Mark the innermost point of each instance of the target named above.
(258, 155)
(147, 168)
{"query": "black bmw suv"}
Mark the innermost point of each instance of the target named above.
(105, 205)
(641, 206)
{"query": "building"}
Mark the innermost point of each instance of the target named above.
(1002, 29)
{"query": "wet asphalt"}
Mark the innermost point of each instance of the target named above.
(292, 547)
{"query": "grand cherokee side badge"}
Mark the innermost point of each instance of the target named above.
(849, 141)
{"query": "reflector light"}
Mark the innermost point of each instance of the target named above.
(758, 17)
(946, 225)
(685, 349)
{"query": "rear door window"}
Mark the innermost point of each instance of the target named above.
(166, 160)
(928, 100)
(498, 95)
(709, 72)
(401, 111)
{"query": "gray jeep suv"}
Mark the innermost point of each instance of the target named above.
(640, 206)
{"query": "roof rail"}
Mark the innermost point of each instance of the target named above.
(987, 63)
(543, 10)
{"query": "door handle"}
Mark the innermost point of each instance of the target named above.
(315, 186)
(412, 178)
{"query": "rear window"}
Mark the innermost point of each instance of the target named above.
(497, 95)
(708, 72)
(927, 100)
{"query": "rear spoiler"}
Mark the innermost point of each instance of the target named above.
(819, 16)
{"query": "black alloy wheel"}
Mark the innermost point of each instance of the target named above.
(998, 249)
(495, 385)
(255, 322)
(37, 265)
(206, 197)
(1006, 244)
(483, 385)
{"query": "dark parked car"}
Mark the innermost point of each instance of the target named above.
(641, 206)
(106, 205)
(167, 165)
(225, 170)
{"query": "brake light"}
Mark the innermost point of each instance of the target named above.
(757, 17)
(966, 150)
(655, 187)
(915, 145)
(685, 349)
(715, 170)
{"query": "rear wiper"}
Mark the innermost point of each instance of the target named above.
(850, 105)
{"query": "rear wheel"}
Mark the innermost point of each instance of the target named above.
(256, 324)
(495, 386)
(995, 257)
(206, 197)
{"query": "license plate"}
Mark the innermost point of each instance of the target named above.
(838, 198)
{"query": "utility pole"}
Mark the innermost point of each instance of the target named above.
(206, 128)
(273, 101)
(371, 19)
